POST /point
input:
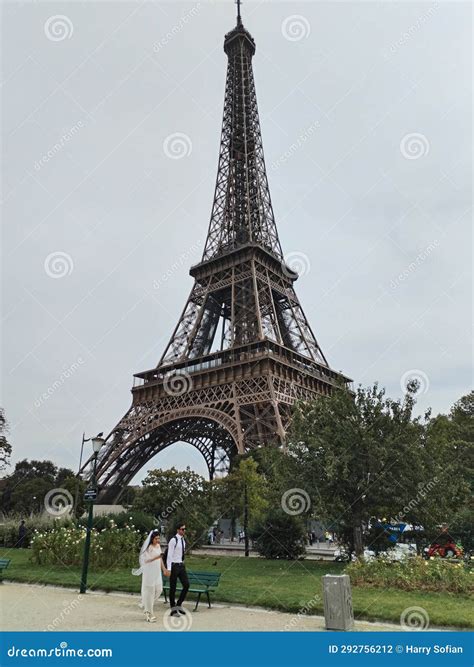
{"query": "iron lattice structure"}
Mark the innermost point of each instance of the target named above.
(242, 352)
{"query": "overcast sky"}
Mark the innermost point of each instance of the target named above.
(111, 125)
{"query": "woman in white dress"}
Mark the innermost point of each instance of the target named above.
(151, 566)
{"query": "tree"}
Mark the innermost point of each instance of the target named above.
(173, 496)
(462, 414)
(280, 535)
(461, 526)
(26, 488)
(5, 446)
(28, 496)
(358, 456)
(450, 450)
(240, 496)
(164, 491)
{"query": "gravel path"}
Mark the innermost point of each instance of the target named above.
(31, 607)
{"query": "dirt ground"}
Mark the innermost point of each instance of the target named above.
(49, 608)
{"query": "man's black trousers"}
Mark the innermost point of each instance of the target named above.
(178, 571)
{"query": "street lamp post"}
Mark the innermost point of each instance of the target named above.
(78, 476)
(97, 443)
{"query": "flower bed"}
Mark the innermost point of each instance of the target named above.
(112, 547)
(412, 574)
(37, 523)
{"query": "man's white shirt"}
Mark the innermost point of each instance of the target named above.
(176, 547)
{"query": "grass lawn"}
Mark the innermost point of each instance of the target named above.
(287, 586)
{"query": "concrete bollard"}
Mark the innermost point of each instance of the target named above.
(337, 602)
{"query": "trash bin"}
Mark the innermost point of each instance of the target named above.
(337, 602)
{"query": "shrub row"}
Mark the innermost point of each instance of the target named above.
(44, 523)
(412, 574)
(113, 547)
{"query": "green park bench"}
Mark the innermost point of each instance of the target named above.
(199, 582)
(4, 563)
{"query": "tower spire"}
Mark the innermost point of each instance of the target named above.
(242, 211)
(239, 18)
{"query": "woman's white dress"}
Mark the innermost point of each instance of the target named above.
(152, 582)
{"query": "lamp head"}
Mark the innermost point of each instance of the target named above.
(97, 443)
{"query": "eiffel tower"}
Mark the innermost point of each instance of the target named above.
(243, 351)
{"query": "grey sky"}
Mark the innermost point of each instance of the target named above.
(366, 121)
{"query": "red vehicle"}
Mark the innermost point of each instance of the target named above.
(445, 549)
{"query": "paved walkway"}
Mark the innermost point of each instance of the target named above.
(32, 607)
(319, 551)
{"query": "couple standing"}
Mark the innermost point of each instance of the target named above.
(152, 565)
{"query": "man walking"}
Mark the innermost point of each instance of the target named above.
(21, 536)
(175, 564)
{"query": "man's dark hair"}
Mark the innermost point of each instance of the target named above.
(180, 525)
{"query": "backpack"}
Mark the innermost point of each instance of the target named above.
(165, 555)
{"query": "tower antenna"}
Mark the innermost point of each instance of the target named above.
(239, 18)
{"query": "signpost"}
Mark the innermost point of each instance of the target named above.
(90, 494)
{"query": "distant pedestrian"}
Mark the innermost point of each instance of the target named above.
(310, 539)
(21, 544)
(241, 536)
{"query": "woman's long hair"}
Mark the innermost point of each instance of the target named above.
(155, 533)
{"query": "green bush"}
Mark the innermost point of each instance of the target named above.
(41, 522)
(142, 521)
(111, 547)
(279, 535)
(139, 520)
(412, 574)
